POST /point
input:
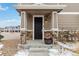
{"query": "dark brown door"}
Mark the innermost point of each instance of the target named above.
(38, 28)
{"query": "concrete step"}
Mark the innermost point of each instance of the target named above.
(38, 52)
(37, 48)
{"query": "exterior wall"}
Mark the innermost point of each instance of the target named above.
(47, 23)
(29, 27)
(29, 22)
(68, 21)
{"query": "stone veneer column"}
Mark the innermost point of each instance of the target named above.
(23, 26)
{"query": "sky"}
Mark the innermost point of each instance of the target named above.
(8, 15)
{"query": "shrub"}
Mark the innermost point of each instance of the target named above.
(1, 36)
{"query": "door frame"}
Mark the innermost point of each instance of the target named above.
(42, 25)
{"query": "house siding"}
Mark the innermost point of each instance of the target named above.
(69, 21)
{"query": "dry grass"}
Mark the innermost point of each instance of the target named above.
(10, 47)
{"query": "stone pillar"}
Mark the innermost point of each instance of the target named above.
(23, 27)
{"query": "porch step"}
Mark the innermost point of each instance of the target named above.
(38, 52)
(37, 48)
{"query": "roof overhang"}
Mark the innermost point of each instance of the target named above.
(37, 7)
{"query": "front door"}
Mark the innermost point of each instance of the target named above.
(38, 28)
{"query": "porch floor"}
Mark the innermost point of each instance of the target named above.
(37, 43)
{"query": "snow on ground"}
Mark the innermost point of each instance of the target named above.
(22, 53)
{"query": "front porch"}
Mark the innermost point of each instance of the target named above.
(38, 23)
(37, 20)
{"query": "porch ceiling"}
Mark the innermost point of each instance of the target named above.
(38, 12)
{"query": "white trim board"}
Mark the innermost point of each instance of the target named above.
(70, 13)
(42, 25)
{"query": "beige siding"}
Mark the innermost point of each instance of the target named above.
(71, 7)
(29, 27)
(29, 22)
(47, 25)
(69, 21)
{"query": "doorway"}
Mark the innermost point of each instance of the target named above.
(38, 28)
